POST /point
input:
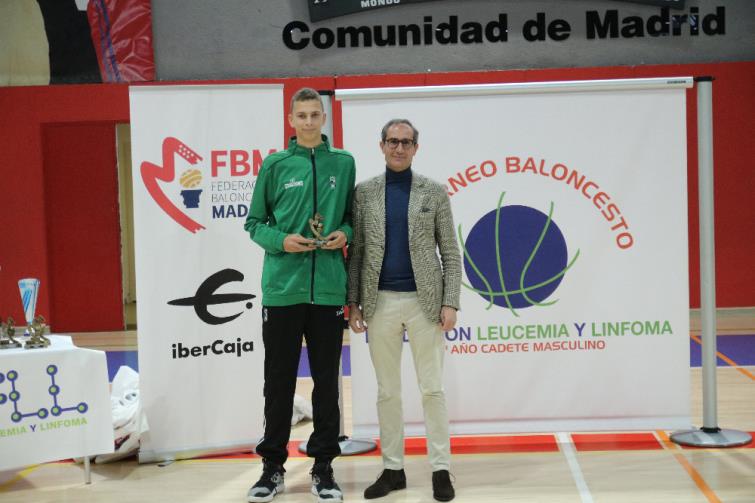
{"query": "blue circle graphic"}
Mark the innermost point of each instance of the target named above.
(528, 264)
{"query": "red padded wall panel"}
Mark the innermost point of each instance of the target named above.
(83, 227)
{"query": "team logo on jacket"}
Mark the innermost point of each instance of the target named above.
(293, 183)
(332, 182)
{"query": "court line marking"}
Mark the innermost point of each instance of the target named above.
(19, 476)
(725, 358)
(567, 448)
(682, 459)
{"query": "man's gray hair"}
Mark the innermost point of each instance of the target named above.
(394, 122)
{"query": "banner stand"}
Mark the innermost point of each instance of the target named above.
(506, 167)
(710, 435)
(196, 151)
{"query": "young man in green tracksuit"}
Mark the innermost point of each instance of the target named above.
(303, 289)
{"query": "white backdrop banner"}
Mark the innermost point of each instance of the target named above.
(196, 154)
(570, 204)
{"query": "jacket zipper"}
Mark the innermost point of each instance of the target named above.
(314, 212)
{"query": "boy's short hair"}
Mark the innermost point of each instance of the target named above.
(306, 94)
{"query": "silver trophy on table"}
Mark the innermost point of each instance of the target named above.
(35, 327)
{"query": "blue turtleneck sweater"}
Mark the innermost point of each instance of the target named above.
(397, 274)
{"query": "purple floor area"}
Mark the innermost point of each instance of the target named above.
(696, 355)
(117, 358)
(345, 362)
(738, 348)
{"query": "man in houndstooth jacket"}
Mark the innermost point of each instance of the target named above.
(402, 222)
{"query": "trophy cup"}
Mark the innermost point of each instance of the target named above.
(7, 330)
(37, 329)
(316, 226)
(29, 287)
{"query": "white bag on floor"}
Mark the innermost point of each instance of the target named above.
(128, 420)
(302, 409)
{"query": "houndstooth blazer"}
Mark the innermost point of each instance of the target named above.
(431, 230)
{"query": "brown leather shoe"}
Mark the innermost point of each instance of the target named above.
(389, 480)
(442, 488)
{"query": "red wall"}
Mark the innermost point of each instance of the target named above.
(24, 112)
(83, 223)
(24, 227)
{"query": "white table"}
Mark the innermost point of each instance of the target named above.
(54, 404)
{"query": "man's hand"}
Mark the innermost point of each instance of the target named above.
(356, 322)
(335, 240)
(296, 243)
(447, 318)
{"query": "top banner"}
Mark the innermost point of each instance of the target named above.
(326, 9)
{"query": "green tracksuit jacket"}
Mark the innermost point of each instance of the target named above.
(291, 187)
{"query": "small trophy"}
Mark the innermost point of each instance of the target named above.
(316, 225)
(7, 330)
(29, 287)
(37, 330)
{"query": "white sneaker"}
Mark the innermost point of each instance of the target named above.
(324, 485)
(269, 484)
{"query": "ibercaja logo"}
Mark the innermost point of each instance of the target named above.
(229, 190)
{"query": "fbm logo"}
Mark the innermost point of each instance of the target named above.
(151, 173)
(515, 257)
(224, 164)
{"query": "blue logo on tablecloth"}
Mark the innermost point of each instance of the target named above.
(53, 390)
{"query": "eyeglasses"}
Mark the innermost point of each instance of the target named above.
(393, 143)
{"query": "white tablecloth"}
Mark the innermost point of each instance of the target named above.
(54, 404)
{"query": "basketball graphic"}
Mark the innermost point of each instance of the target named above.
(191, 178)
(515, 257)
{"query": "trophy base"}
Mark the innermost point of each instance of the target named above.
(10, 344)
(36, 344)
(319, 243)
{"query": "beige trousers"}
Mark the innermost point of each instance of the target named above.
(394, 312)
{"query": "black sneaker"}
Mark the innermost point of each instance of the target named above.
(442, 488)
(323, 484)
(389, 480)
(269, 484)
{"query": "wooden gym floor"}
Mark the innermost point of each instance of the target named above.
(558, 467)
